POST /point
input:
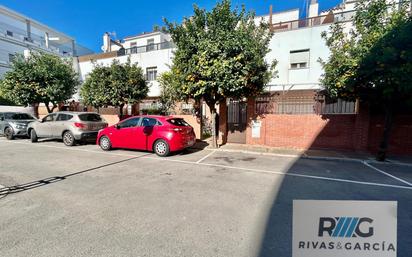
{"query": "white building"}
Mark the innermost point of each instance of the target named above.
(152, 51)
(20, 34)
(297, 46)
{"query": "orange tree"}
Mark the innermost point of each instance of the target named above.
(220, 53)
(373, 62)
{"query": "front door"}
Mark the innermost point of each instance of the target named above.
(237, 122)
(126, 134)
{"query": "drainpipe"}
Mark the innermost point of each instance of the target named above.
(74, 48)
(46, 39)
(28, 29)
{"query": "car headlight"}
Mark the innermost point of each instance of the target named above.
(20, 126)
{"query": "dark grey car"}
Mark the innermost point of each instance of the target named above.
(14, 124)
(68, 126)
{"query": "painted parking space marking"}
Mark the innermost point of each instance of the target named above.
(205, 157)
(228, 167)
(387, 174)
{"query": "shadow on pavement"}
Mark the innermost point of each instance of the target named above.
(277, 236)
(50, 180)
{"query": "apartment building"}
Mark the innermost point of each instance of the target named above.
(151, 51)
(21, 34)
(297, 46)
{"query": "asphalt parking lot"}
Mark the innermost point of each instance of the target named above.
(81, 201)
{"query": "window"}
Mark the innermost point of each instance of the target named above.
(149, 122)
(1, 116)
(21, 116)
(64, 117)
(49, 117)
(133, 122)
(151, 73)
(299, 59)
(178, 122)
(11, 58)
(150, 45)
(9, 33)
(90, 117)
(133, 47)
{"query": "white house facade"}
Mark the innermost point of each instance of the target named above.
(297, 46)
(21, 34)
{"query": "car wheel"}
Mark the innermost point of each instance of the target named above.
(33, 136)
(68, 138)
(8, 132)
(161, 148)
(105, 143)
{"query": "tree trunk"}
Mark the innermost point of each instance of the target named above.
(121, 111)
(212, 107)
(383, 147)
(48, 107)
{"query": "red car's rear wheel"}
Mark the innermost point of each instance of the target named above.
(161, 148)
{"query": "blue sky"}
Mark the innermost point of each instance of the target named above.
(87, 20)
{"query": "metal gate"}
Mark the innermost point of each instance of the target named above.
(237, 122)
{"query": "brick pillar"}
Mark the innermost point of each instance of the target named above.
(222, 123)
(361, 131)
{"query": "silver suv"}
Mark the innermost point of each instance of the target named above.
(14, 124)
(69, 126)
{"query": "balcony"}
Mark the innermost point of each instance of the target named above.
(313, 21)
(19, 36)
(148, 48)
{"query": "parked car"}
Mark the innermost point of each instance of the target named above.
(161, 134)
(69, 126)
(14, 124)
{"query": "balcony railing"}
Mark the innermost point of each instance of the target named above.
(149, 48)
(313, 21)
(12, 32)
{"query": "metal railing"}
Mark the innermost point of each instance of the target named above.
(35, 39)
(302, 103)
(149, 48)
(313, 21)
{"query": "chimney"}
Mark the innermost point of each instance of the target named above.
(106, 43)
(313, 9)
(271, 16)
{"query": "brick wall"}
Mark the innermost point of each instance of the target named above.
(305, 131)
(400, 141)
(357, 132)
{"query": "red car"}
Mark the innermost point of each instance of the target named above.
(161, 134)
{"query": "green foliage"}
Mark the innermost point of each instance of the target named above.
(372, 60)
(4, 101)
(115, 85)
(40, 78)
(170, 92)
(220, 54)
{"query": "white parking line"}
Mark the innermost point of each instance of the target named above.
(387, 174)
(205, 157)
(285, 174)
(237, 168)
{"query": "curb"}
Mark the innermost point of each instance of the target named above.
(304, 156)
